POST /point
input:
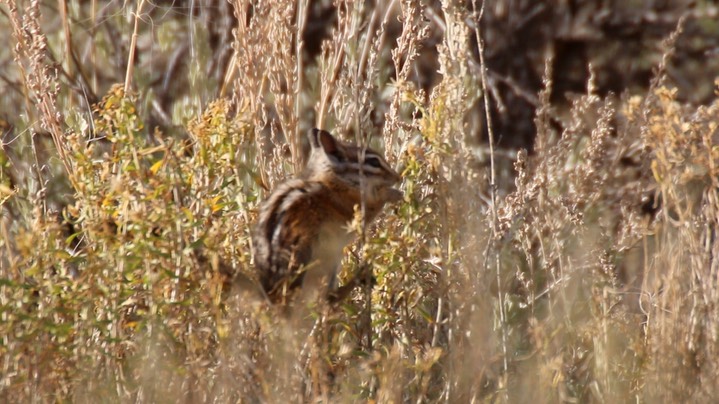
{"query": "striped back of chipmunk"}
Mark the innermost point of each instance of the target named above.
(282, 239)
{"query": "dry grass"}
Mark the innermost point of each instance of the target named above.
(588, 273)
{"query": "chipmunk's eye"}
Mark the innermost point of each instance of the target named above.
(373, 161)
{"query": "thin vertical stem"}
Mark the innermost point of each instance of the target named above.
(133, 44)
(365, 270)
(93, 45)
(69, 68)
(492, 186)
(299, 82)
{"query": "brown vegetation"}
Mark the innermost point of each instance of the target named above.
(557, 240)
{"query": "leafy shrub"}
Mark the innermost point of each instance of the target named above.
(582, 269)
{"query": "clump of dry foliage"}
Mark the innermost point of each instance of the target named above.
(557, 240)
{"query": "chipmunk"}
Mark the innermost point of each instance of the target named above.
(303, 226)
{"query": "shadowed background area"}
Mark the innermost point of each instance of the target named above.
(556, 241)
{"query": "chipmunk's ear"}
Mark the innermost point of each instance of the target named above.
(322, 139)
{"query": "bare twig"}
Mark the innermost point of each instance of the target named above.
(133, 46)
(69, 68)
(302, 6)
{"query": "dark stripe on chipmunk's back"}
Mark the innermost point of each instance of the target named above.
(278, 204)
